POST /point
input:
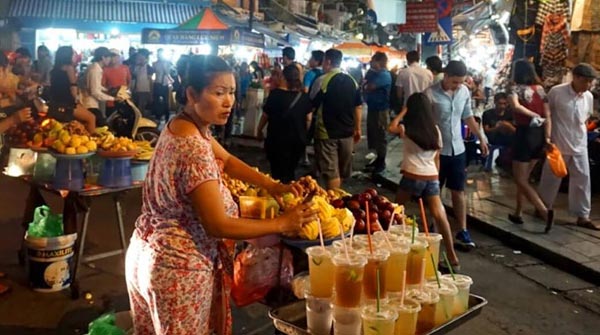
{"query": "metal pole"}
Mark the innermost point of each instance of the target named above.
(251, 20)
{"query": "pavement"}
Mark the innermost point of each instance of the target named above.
(491, 197)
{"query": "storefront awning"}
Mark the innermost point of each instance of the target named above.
(205, 20)
(112, 11)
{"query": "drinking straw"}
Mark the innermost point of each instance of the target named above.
(272, 212)
(378, 289)
(423, 217)
(321, 233)
(437, 278)
(352, 232)
(448, 265)
(413, 233)
(403, 288)
(423, 263)
(369, 227)
(345, 246)
(391, 222)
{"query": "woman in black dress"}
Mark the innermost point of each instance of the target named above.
(287, 114)
(64, 96)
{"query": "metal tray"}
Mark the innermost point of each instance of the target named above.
(291, 319)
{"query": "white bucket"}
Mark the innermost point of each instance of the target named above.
(49, 262)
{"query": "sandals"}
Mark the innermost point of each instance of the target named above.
(587, 223)
(516, 219)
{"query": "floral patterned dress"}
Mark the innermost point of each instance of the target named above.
(178, 277)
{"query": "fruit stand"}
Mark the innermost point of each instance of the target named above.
(79, 167)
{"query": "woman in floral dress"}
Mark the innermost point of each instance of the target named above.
(178, 265)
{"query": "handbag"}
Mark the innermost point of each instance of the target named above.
(556, 162)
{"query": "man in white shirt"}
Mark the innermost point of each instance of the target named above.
(413, 79)
(571, 104)
(93, 93)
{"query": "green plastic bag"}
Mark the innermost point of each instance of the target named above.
(105, 325)
(45, 224)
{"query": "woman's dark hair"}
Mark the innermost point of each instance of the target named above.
(419, 123)
(198, 72)
(257, 68)
(292, 77)
(64, 56)
(523, 73)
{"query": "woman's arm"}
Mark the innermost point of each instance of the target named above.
(396, 126)
(516, 106)
(264, 119)
(309, 117)
(16, 118)
(209, 207)
(548, 123)
(72, 82)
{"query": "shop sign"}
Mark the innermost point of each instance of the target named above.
(185, 37)
(421, 17)
(248, 38)
(443, 33)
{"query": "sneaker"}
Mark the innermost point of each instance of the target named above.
(463, 240)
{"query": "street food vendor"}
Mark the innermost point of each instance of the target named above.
(178, 262)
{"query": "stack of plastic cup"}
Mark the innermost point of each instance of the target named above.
(428, 299)
(378, 321)
(408, 311)
(319, 315)
(376, 262)
(414, 264)
(445, 309)
(396, 265)
(463, 283)
(348, 273)
(403, 230)
(433, 239)
(381, 237)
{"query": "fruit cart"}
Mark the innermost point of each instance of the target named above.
(291, 319)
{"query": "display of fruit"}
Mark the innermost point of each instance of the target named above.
(48, 133)
(73, 144)
(381, 210)
(109, 142)
(145, 150)
(333, 221)
(22, 134)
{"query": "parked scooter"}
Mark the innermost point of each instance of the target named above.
(127, 120)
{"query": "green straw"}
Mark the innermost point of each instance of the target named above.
(378, 290)
(413, 229)
(437, 277)
(448, 265)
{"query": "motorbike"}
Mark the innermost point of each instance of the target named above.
(128, 121)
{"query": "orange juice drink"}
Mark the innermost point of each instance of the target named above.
(433, 240)
(376, 261)
(414, 264)
(396, 265)
(428, 299)
(406, 324)
(463, 283)
(445, 308)
(320, 270)
(348, 279)
(378, 322)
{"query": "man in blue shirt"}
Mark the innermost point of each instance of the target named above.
(315, 63)
(378, 83)
(452, 104)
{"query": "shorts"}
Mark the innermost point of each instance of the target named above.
(419, 188)
(334, 157)
(529, 144)
(61, 114)
(453, 171)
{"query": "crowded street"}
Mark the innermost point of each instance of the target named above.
(302, 167)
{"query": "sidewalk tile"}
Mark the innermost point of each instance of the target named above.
(552, 278)
(586, 248)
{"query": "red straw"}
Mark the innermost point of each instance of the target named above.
(423, 217)
(369, 227)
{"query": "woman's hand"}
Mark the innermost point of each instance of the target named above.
(294, 219)
(277, 189)
(22, 115)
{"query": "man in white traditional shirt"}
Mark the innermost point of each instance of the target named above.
(94, 93)
(571, 104)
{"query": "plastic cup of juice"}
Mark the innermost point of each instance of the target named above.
(346, 321)
(320, 271)
(382, 237)
(376, 261)
(406, 324)
(428, 299)
(433, 240)
(396, 265)
(445, 308)
(463, 283)
(348, 279)
(414, 263)
(378, 322)
(319, 315)
(403, 230)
